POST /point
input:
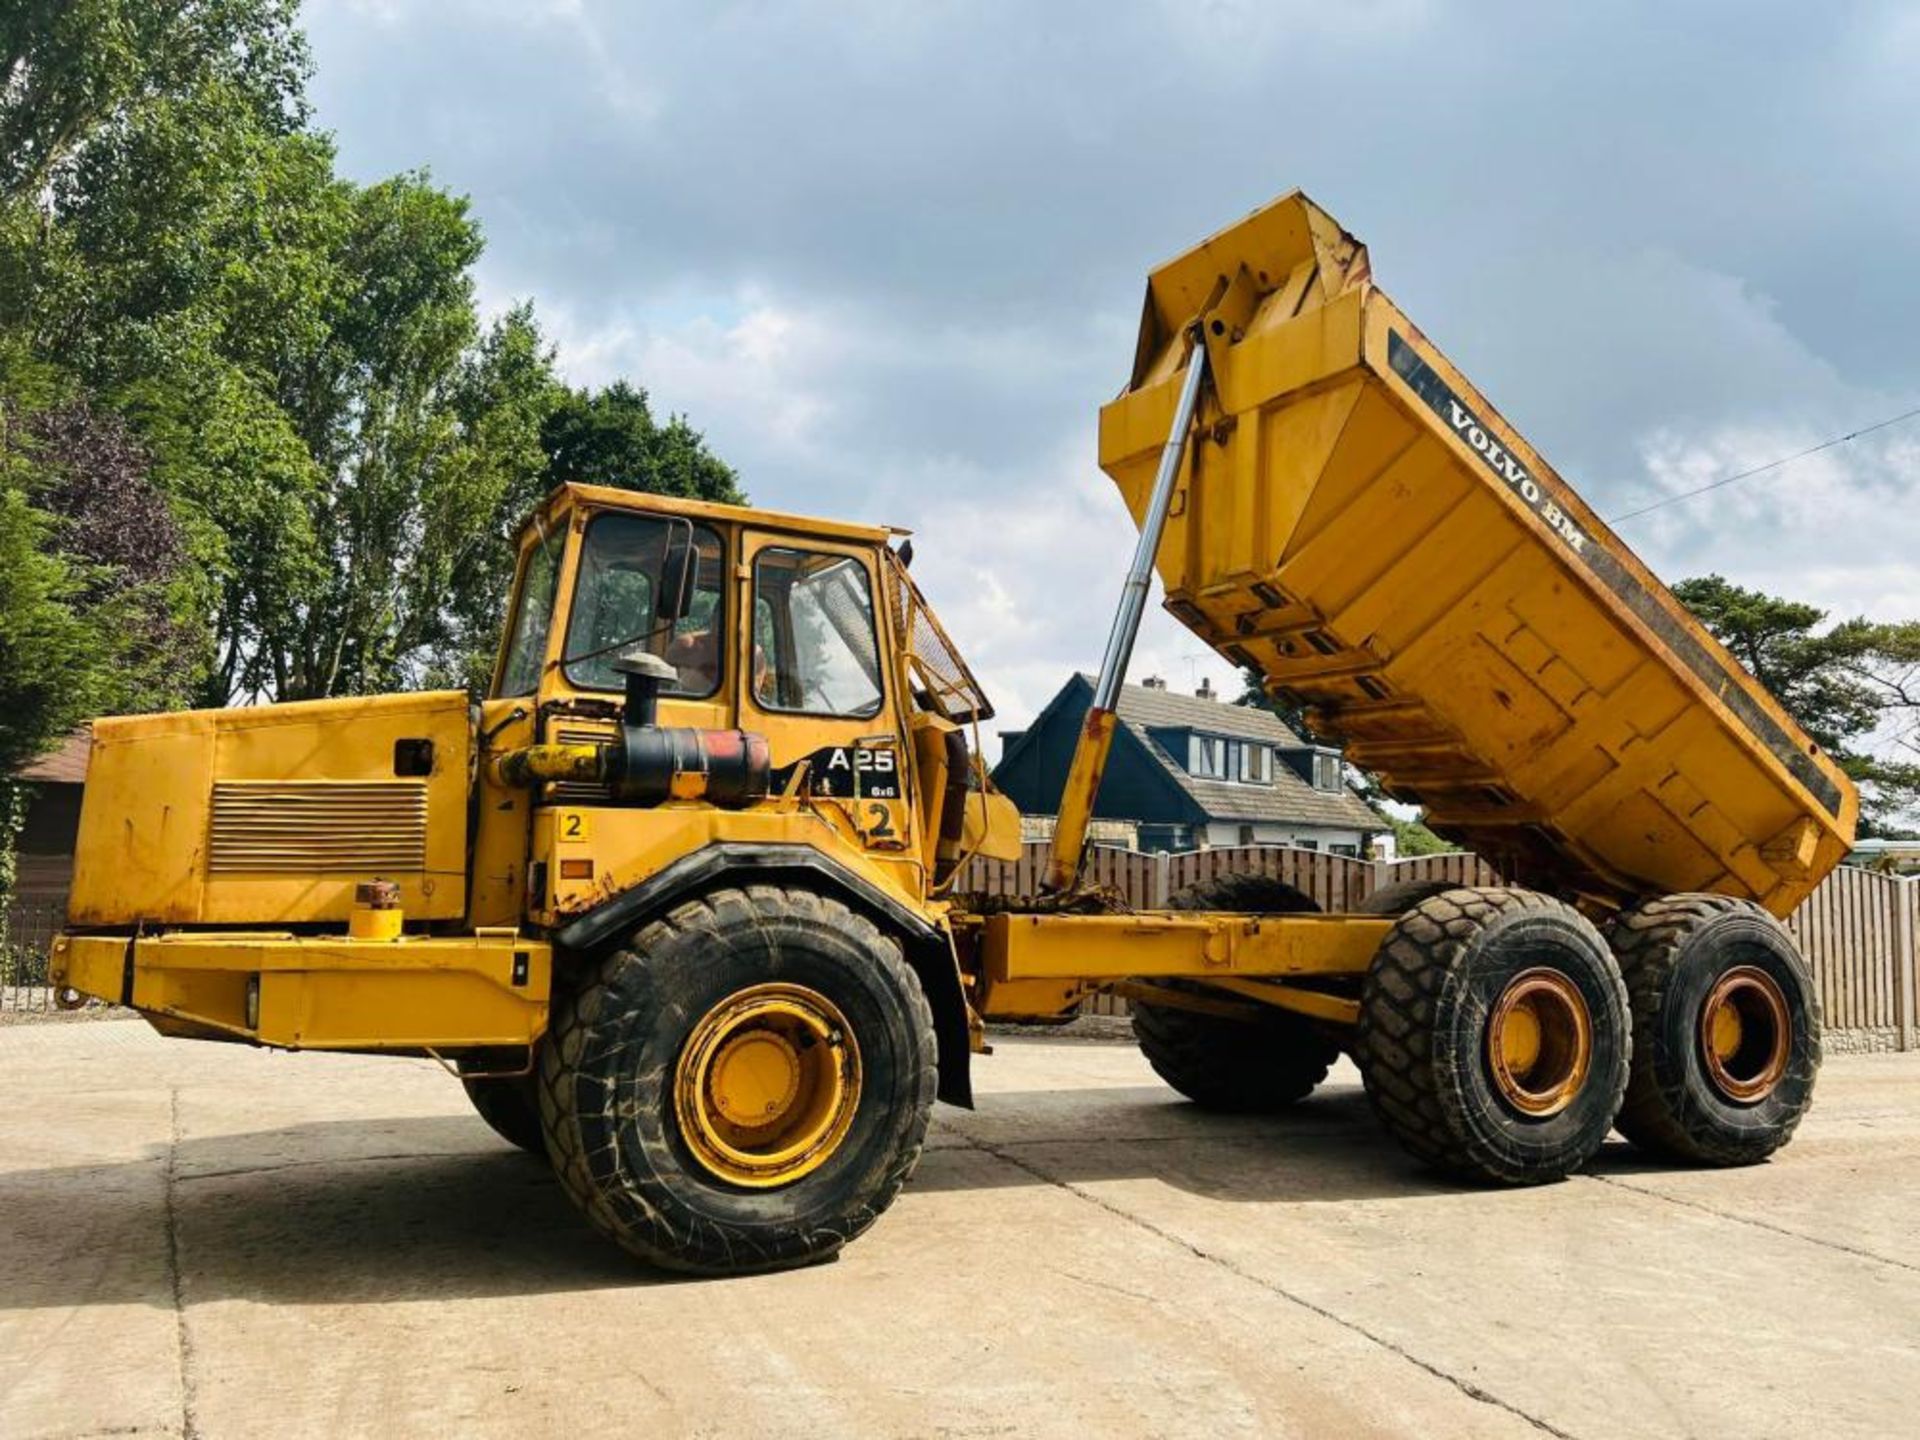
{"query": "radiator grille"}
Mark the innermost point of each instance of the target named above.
(318, 826)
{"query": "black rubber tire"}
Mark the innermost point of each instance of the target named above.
(510, 1103)
(607, 1076)
(1672, 951)
(1421, 1045)
(1399, 898)
(1235, 1066)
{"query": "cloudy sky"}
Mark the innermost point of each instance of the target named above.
(890, 255)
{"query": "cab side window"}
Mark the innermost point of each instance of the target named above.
(814, 626)
(539, 576)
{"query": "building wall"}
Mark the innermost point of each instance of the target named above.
(1221, 833)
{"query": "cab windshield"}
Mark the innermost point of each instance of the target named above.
(623, 560)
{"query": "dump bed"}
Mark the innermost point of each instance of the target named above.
(1359, 526)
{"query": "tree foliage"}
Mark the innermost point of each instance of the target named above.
(1854, 686)
(258, 443)
(611, 438)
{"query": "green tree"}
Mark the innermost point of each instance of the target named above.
(91, 616)
(1853, 686)
(610, 437)
(344, 451)
(69, 68)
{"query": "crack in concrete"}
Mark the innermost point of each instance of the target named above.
(183, 1339)
(1464, 1386)
(1757, 1224)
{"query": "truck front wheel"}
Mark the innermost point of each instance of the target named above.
(1493, 1035)
(1726, 1029)
(744, 1087)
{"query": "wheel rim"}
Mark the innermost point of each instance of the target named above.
(767, 1085)
(1540, 1042)
(1745, 1034)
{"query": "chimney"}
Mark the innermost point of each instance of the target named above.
(1154, 682)
(1206, 690)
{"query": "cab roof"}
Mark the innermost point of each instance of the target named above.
(609, 497)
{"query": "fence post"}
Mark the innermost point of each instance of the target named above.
(1161, 885)
(1905, 894)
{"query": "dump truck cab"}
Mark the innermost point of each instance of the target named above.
(811, 694)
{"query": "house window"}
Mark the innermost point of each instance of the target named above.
(1253, 764)
(1350, 851)
(1207, 757)
(1212, 757)
(1326, 772)
(1246, 834)
(1306, 844)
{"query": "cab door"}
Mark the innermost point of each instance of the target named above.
(818, 682)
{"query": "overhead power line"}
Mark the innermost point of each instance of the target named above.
(1763, 469)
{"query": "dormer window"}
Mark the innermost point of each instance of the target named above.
(1207, 757)
(1326, 771)
(1214, 757)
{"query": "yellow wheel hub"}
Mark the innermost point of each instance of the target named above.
(1540, 1042)
(1745, 1034)
(767, 1085)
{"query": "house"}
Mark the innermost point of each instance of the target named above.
(44, 847)
(1191, 772)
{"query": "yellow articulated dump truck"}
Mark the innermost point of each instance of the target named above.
(678, 900)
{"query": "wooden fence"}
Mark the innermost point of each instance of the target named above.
(1857, 929)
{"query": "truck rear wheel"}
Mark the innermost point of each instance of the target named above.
(1239, 1066)
(510, 1104)
(1493, 1036)
(744, 1087)
(1726, 1029)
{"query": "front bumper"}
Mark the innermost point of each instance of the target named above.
(330, 992)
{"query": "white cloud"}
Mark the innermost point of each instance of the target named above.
(889, 257)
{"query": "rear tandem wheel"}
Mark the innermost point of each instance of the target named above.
(1493, 1035)
(1220, 1063)
(1726, 1029)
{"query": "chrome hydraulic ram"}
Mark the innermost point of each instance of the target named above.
(1096, 733)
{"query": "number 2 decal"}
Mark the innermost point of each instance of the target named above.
(573, 826)
(882, 817)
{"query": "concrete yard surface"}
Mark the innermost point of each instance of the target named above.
(208, 1240)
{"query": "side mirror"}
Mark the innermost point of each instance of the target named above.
(679, 568)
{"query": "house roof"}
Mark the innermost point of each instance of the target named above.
(66, 765)
(1289, 800)
(1170, 710)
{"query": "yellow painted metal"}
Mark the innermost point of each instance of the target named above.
(767, 1085)
(1540, 1042)
(1336, 1009)
(1364, 530)
(630, 846)
(328, 992)
(1746, 1034)
(368, 923)
(94, 965)
(1200, 944)
(502, 832)
(275, 813)
(1080, 790)
(990, 826)
(584, 764)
